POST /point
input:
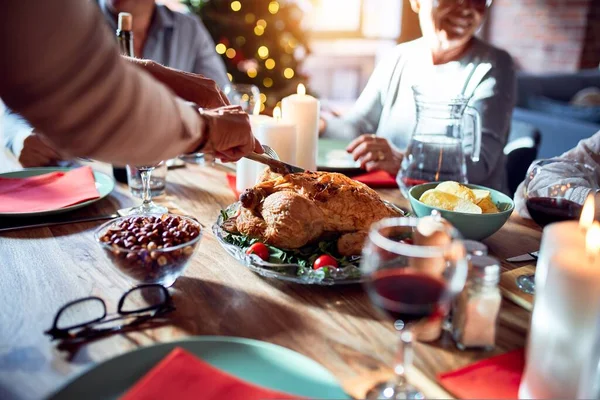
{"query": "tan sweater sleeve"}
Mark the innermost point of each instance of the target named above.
(61, 70)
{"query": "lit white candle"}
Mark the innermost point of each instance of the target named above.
(247, 170)
(567, 305)
(278, 134)
(303, 111)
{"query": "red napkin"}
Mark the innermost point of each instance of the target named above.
(494, 378)
(377, 179)
(47, 192)
(182, 376)
(231, 181)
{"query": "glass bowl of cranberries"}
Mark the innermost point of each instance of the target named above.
(150, 248)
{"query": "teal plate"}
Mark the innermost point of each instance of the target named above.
(104, 184)
(262, 363)
(333, 157)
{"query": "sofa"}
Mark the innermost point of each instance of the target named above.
(543, 102)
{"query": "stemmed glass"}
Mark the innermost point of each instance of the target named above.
(147, 206)
(413, 281)
(244, 95)
(555, 190)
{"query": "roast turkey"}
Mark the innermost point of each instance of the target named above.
(294, 210)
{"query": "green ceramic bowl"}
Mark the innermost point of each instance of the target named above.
(471, 226)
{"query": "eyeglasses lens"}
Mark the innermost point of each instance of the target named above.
(80, 313)
(144, 298)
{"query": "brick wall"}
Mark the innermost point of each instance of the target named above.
(547, 35)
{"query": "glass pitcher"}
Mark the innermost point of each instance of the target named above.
(438, 146)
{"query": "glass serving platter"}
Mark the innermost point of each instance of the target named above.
(348, 274)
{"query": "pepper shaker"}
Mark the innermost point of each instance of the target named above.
(476, 310)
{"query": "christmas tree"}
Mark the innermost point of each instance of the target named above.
(261, 41)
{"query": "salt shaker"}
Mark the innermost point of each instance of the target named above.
(475, 248)
(476, 309)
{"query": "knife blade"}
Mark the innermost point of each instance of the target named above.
(72, 221)
(276, 166)
(524, 257)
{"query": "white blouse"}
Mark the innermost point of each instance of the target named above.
(484, 74)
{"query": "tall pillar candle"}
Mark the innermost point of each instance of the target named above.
(303, 110)
(280, 135)
(247, 170)
(567, 305)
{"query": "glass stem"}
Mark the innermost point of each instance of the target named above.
(146, 196)
(404, 356)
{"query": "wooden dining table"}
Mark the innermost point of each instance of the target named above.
(42, 269)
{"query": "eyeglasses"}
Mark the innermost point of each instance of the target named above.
(86, 318)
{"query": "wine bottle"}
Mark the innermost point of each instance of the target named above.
(125, 40)
(125, 34)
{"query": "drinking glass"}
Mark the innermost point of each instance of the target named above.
(244, 95)
(413, 280)
(147, 206)
(555, 190)
(158, 181)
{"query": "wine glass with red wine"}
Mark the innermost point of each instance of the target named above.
(555, 190)
(412, 279)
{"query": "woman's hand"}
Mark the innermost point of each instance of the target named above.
(37, 152)
(375, 153)
(190, 87)
(228, 134)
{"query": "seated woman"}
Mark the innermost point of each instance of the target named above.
(586, 152)
(383, 118)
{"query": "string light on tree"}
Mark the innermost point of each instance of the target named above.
(270, 63)
(252, 72)
(250, 18)
(263, 52)
(261, 22)
(220, 48)
(267, 82)
(259, 30)
(236, 5)
(288, 73)
(230, 53)
(273, 7)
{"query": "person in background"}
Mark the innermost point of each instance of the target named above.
(383, 118)
(174, 39)
(62, 72)
(586, 152)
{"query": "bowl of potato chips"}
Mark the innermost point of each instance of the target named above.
(476, 211)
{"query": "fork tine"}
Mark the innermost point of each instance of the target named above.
(270, 152)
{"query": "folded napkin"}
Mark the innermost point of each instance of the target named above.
(47, 192)
(494, 378)
(377, 179)
(182, 376)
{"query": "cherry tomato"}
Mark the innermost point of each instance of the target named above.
(260, 250)
(325, 261)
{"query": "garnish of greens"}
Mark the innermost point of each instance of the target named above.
(304, 257)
